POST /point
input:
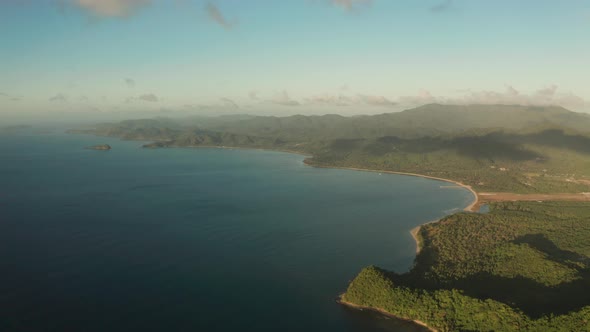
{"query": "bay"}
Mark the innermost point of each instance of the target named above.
(136, 239)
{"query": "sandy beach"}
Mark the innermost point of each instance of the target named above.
(471, 207)
(383, 312)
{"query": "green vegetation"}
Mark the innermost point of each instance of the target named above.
(498, 161)
(99, 147)
(523, 266)
(538, 149)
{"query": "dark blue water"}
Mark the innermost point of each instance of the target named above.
(195, 239)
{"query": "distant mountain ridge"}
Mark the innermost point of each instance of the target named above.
(427, 120)
(523, 149)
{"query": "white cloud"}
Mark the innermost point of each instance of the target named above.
(217, 17)
(149, 97)
(229, 103)
(129, 82)
(423, 97)
(110, 8)
(331, 100)
(442, 6)
(59, 98)
(510, 96)
(253, 95)
(344, 100)
(350, 4)
(10, 97)
(283, 98)
(376, 100)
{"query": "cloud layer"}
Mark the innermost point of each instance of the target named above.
(549, 95)
(510, 96)
(344, 100)
(109, 8)
(149, 97)
(129, 82)
(229, 103)
(283, 98)
(350, 4)
(9, 97)
(215, 14)
(60, 98)
(443, 6)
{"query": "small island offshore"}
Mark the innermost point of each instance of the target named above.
(102, 147)
(524, 265)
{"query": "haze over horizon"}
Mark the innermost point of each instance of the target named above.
(88, 59)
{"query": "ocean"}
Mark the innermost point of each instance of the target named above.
(184, 239)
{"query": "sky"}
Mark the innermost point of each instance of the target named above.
(128, 57)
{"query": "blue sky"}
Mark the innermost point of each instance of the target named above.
(289, 56)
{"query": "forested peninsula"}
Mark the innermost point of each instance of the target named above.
(523, 266)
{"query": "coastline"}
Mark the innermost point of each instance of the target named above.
(148, 141)
(384, 312)
(414, 232)
(470, 208)
(479, 199)
(229, 148)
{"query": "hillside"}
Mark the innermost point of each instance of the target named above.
(549, 161)
(521, 149)
(523, 266)
(427, 120)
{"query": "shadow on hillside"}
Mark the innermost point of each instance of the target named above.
(541, 243)
(557, 138)
(486, 147)
(493, 146)
(532, 298)
(475, 147)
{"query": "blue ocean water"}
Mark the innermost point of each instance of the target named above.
(137, 239)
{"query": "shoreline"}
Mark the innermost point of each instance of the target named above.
(470, 208)
(479, 199)
(228, 148)
(383, 312)
(414, 232)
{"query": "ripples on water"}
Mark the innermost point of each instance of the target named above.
(195, 240)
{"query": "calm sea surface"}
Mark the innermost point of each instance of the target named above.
(135, 239)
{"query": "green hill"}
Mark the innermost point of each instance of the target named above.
(521, 149)
(523, 266)
(427, 120)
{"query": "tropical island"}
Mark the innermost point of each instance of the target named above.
(14, 129)
(524, 265)
(103, 147)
